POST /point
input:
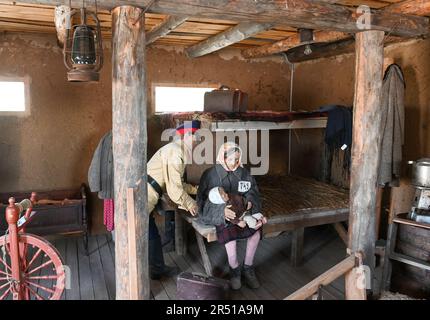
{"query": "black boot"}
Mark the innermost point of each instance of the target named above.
(251, 279)
(235, 278)
(157, 267)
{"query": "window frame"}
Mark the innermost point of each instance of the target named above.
(177, 85)
(26, 81)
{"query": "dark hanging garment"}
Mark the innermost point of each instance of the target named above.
(338, 137)
(393, 126)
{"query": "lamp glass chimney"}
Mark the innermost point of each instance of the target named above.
(83, 49)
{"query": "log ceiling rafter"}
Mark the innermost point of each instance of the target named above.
(412, 7)
(224, 39)
(164, 28)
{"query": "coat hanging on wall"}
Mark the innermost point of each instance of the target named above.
(393, 126)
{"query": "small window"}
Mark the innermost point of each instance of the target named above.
(12, 96)
(179, 99)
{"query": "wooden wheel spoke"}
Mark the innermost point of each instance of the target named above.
(41, 287)
(38, 297)
(52, 277)
(5, 294)
(40, 267)
(5, 273)
(5, 264)
(3, 278)
(37, 254)
(4, 285)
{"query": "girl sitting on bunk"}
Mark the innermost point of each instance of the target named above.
(229, 174)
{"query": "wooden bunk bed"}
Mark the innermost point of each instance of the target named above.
(291, 203)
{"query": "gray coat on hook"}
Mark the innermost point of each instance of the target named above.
(393, 126)
(100, 173)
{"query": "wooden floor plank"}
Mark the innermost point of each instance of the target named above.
(180, 262)
(278, 265)
(328, 251)
(99, 283)
(169, 284)
(85, 277)
(108, 264)
(111, 246)
(315, 244)
(60, 245)
(158, 290)
(72, 262)
(270, 279)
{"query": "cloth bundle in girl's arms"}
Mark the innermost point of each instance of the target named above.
(238, 204)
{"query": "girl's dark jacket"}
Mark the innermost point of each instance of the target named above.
(239, 181)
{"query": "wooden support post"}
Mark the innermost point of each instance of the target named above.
(297, 247)
(366, 144)
(355, 284)
(129, 146)
(132, 248)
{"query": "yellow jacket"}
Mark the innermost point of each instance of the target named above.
(167, 167)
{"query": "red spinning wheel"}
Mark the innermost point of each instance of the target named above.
(30, 267)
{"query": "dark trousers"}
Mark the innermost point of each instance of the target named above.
(153, 229)
(155, 249)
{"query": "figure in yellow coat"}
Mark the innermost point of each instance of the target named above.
(165, 175)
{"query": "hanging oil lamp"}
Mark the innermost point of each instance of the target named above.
(83, 51)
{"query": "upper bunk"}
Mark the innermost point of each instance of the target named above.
(251, 120)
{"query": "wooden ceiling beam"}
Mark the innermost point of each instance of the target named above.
(165, 28)
(224, 39)
(413, 7)
(336, 48)
(304, 14)
(290, 42)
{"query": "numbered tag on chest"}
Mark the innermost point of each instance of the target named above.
(244, 186)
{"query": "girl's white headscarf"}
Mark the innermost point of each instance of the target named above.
(226, 150)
